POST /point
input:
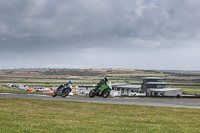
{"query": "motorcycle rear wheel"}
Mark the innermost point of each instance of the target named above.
(54, 94)
(91, 93)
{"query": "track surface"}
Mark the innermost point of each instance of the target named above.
(185, 103)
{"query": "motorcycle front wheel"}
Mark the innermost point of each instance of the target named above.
(66, 93)
(106, 94)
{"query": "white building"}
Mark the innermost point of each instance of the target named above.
(165, 92)
(153, 86)
(125, 88)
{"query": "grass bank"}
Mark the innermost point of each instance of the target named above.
(191, 91)
(10, 90)
(32, 115)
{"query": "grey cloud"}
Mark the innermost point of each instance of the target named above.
(66, 19)
(114, 26)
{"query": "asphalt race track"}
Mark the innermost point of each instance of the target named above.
(185, 103)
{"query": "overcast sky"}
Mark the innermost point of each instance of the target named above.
(135, 34)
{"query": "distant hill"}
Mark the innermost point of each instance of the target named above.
(57, 71)
(179, 71)
(25, 69)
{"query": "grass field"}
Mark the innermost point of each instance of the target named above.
(44, 116)
(90, 76)
(191, 91)
(10, 90)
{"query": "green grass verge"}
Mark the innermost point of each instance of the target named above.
(10, 90)
(32, 115)
(191, 91)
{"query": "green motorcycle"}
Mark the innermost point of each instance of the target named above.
(101, 89)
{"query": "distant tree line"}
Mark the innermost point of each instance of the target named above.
(72, 72)
(183, 74)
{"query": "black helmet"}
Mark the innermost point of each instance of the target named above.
(106, 79)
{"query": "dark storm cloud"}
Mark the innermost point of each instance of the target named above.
(131, 26)
(69, 21)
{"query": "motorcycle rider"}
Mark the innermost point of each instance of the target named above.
(101, 89)
(67, 85)
(103, 81)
